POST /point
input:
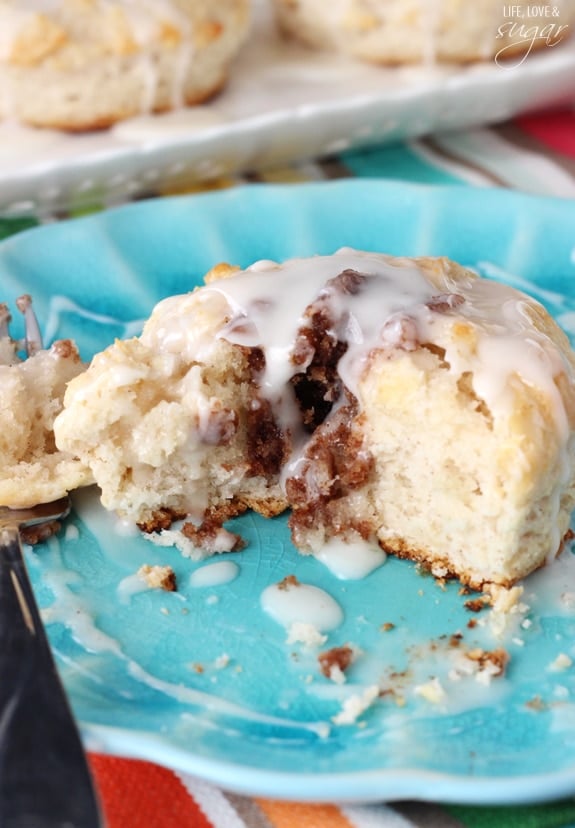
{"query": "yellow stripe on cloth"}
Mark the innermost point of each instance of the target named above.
(302, 815)
(194, 186)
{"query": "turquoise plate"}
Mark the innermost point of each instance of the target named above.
(203, 680)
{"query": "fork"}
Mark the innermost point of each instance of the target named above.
(45, 781)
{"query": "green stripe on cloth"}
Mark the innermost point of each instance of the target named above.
(9, 226)
(550, 815)
(395, 161)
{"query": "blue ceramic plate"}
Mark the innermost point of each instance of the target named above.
(203, 680)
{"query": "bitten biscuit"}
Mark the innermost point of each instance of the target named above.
(402, 402)
(33, 470)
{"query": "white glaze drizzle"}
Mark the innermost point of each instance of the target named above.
(350, 560)
(429, 21)
(259, 305)
(214, 574)
(390, 307)
(143, 18)
(131, 585)
(212, 704)
(301, 603)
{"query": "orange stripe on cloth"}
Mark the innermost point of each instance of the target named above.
(136, 794)
(290, 814)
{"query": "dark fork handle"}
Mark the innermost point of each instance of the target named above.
(44, 777)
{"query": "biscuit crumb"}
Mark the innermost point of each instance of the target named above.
(537, 704)
(333, 663)
(506, 606)
(491, 663)
(355, 705)
(562, 662)
(158, 577)
(476, 604)
(287, 582)
(301, 632)
(503, 599)
(211, 537)
(432, 691)
(40, 532)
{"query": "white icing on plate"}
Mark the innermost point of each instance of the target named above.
(296, 602)
(146, 675)
(173, 125)
(351, 560)
(214, 574)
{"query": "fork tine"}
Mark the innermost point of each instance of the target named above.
(5, 319)
(33, 337)
(33, 515)
(8, 346)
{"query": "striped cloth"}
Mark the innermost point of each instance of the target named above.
(534, 154)
(138, 794)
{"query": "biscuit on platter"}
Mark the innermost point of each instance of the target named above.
(415, 31)
(87, 64)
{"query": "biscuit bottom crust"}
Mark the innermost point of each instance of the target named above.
(106, 121)
(102, 96)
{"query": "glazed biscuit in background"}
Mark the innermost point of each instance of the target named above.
(392, 401)
(415, 31)
(86, 64)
